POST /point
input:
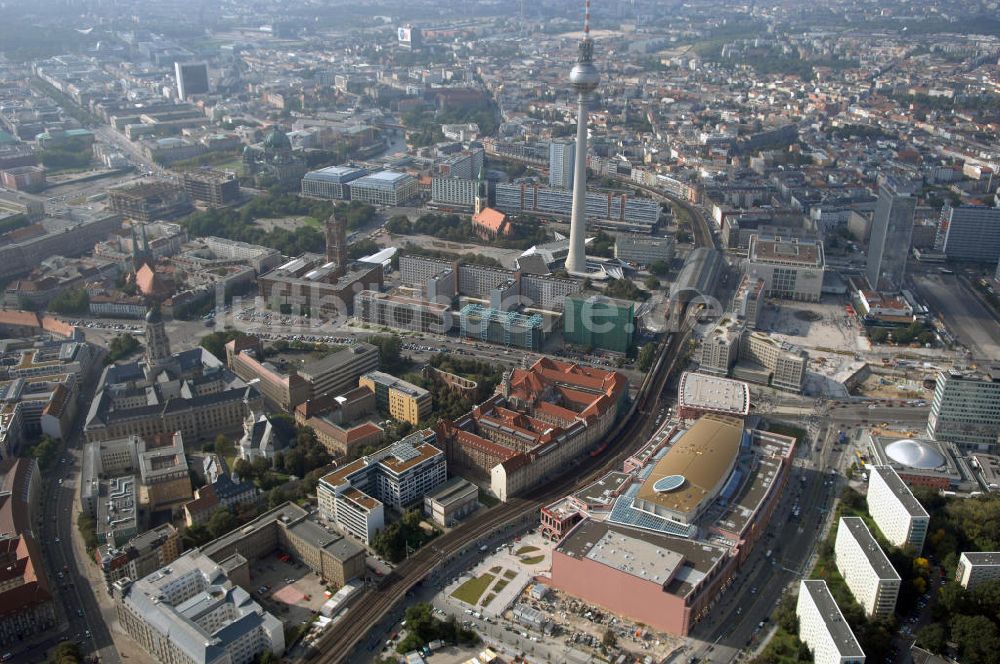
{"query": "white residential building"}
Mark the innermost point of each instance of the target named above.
(353, 496)
(822, 626)
(870, 576)
(453, 191)
(975, 567)
(901, 518)
(562, 152)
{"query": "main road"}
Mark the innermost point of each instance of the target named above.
(67, 564)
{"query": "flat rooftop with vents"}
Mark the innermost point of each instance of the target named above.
(700, 393)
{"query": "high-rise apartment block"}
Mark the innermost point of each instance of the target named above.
(600, 322)
(454, 191)
(191, 78)
(975, 567)
(969, 233)
(562, 153)
(899, 516)
(214, 188)
(749, 300)
(867, 571)
(892, 231)
(822, 626)
(966, 410)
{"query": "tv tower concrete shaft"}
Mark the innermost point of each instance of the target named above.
(585, 78)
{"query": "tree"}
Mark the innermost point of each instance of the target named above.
(986, 598)
(223, 446)
(88, 530)
(66, 652)
(659, 268)
(609, 640)
(785, 614)
(261, 465)
(852, 499)
(952, 599)
(243, 469)
(978, 639)
(933, 637)
(222, 522)
(624, 289)
(647, 354)
(45, 451)
(265, 657)
(121, 347)
(215, 343)
(389, 357)
(295, 462)
(70, 301)
(651, 283)
(195, 536)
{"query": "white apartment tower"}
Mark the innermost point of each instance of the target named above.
(870, 576)
(975, 567)
(562, 153)
(900, 516)
(822, 626)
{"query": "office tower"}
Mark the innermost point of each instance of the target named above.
(966, 410)
(192, 78)
(969, 233)
(892, 230)
(562, 154)
(585, 79)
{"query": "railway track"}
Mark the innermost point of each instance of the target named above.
(343, 638)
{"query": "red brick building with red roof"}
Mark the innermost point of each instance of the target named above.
(539, 420)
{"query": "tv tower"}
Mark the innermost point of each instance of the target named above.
(584, 77)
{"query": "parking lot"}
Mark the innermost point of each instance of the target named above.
(290, 590)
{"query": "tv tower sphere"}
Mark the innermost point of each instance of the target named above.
(584, 76)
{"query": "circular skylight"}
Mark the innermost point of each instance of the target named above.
(668, 483)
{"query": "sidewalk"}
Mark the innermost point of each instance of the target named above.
(123, 644)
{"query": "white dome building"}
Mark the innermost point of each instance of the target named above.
(915, 454)
(924, 462)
